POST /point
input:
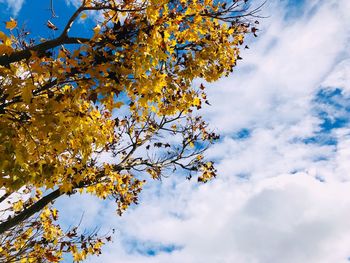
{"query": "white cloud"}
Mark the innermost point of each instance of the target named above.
(14, 5)
(75, 3)
(340, 76)
(281, 219)
(269, 204)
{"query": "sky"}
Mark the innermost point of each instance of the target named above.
(282, 194)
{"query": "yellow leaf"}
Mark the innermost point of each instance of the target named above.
(118, 104)
(196, 102)
(27, 94)
(2, 36)
(199, 157)
(20, 155)
(51, 257)
(97, 29)
(6, 40)
(66, 187)
(83, 16)
(11, 24)
(54, 213)
(154, 109)
(4, 49)
(18, 206)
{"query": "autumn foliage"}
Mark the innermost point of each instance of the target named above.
(124, 90)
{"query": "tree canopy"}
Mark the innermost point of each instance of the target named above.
(125, 90)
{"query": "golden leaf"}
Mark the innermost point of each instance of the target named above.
(27, 94)
(11, 24)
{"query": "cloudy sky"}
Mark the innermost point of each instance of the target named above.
(282, 194)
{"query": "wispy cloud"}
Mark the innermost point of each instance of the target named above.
(13, 5)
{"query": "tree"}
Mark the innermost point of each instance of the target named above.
(125, 90)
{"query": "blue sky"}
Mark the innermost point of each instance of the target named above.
(283, 160)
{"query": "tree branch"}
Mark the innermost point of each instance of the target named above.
(27, 53)
(6, 60)
(4, 196)
(26, 213)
